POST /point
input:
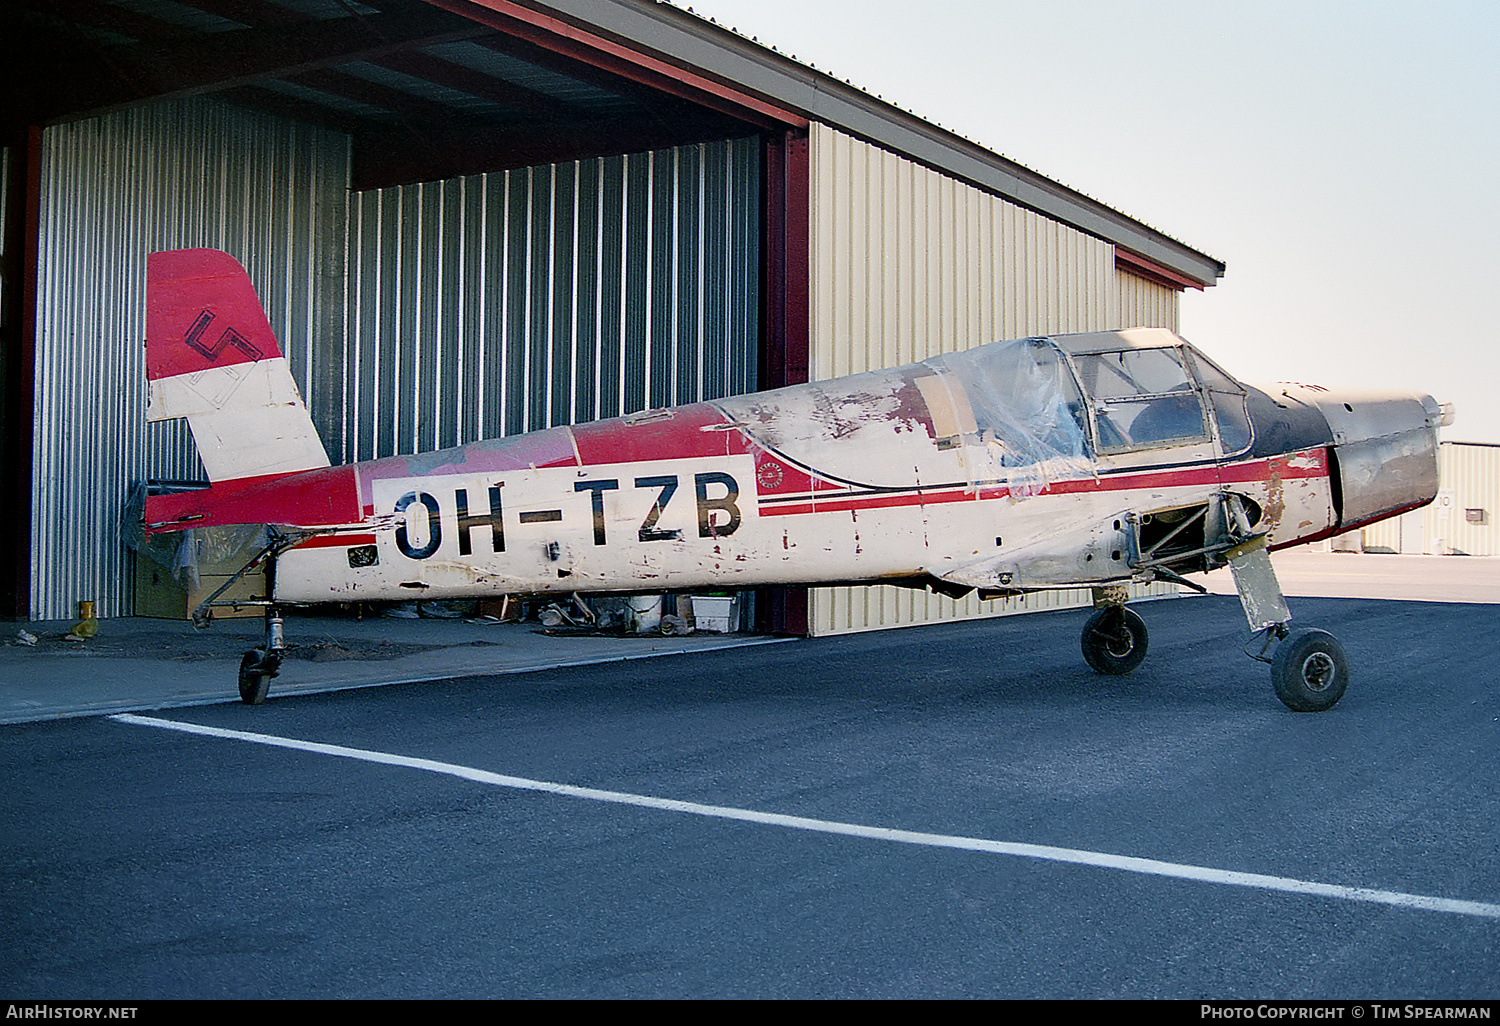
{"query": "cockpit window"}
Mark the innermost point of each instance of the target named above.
(1142, 399)
(1227, 397)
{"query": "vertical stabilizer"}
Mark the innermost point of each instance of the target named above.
(211, 357)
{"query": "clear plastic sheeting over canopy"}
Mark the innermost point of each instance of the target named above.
(1027, 413)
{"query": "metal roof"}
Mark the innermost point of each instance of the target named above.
(430, 89)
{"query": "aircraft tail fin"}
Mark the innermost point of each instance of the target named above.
(211, 357)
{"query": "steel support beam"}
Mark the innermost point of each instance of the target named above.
(163, 69)
(785, 330)
(18, 295)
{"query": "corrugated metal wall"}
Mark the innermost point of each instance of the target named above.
(1143, 304)
(5, 159)
(1472, 474)
(115, 188)
(508, 302)
(906, 264)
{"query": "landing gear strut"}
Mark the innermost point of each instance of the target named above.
(1309, 669)
(259, 666)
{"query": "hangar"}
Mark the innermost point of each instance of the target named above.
(471, 218)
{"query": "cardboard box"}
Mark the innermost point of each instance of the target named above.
(717, 613)
(157, 593)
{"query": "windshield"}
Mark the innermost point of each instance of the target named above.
(1005, 412)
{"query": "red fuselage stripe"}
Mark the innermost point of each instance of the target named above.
(1310, 464)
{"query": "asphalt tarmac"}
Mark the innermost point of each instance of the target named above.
(136, 664)
(947, 811)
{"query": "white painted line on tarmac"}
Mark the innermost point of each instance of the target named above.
(1047, 853)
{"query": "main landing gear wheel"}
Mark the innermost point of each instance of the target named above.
(1310, 671)
(1114, 640)
(255, 677)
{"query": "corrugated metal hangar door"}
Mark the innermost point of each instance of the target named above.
(514, 301)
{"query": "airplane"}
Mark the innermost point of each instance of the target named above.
(1062, 461)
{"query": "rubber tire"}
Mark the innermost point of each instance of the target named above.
(1115, 640)
(254, 683)
(1310, 671)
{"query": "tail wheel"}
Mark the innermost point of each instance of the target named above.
(255, 680)
(1114, 640)
(1310, 671)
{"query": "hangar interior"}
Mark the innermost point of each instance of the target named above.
(472, 218)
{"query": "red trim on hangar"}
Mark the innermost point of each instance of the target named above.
(1134, 263)
(562, 37)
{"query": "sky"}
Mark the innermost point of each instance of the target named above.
(1342, 158)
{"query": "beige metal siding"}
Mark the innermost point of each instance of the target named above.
(1382, 537)
(1143, 304)
(1472, 473)
(876, 607)
(907, 264)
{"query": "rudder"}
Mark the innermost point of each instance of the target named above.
(211, 357)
